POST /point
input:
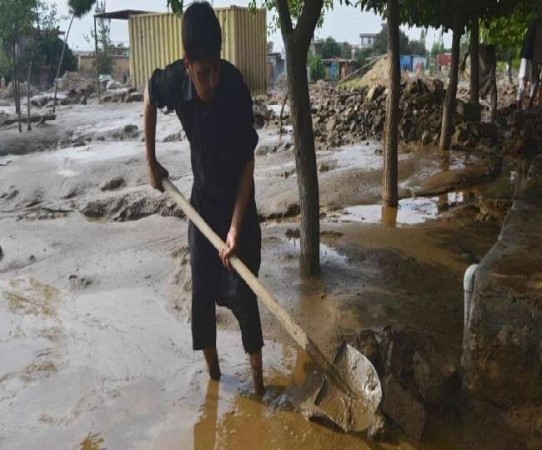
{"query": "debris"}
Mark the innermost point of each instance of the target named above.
(403, 408)
(112, 184)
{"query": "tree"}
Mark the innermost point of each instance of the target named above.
(331, 49)
(380, 43)
(390, 172)
(103, 35)
(78, 8)
(16, 20)
(316, 68)
(297, 39)
(394, 38)
(437, 48)
(416, 48)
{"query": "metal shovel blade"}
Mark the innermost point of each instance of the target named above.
(349, 411)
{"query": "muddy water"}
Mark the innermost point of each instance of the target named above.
(95, 347)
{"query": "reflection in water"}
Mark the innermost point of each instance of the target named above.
(389, 216)
(205, 427)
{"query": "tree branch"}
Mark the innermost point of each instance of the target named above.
(285, 19)
(307, 21)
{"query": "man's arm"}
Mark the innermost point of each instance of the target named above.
(155, 169)
(241, 202)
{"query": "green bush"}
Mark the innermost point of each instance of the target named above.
(316, 68)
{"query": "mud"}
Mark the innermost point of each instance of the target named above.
(95, 347)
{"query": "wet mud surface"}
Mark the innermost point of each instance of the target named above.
(95, 346)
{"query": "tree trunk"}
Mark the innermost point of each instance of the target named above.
(61, 60)
(297, 41)
(305, 158)
(475, 62)
(282, 112)
(28, 126)
(16, 88)
(448, 113)
(389, 176)
(97, 62)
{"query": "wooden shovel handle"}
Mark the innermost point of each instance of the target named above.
(297, 333)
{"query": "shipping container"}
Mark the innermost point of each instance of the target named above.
(444, 59)
(406, 62)
(155, 41)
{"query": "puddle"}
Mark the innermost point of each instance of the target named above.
(411, 211)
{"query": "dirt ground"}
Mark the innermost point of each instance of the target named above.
(95, 346)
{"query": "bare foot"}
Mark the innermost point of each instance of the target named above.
(211, 358)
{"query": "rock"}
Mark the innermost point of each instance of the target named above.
(332, 124)
(112, 184)
(265, 149)
(403, 408)
(134, 97)
(436, 385)
(323, 167)
(83, 100)
(426, 137)
(468, 111)
(285, 146)
(129, 131)
(174, 137)
(293, 233)
(379, 429)
(32, 258)
(77, 282)
(1, 253)
(112, 85)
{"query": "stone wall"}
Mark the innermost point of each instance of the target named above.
(502, 359)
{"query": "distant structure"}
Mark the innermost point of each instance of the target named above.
(86, 62)
(367, 40)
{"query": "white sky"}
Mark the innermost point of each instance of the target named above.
(343, 23)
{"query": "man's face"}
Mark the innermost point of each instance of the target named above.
(205, 75)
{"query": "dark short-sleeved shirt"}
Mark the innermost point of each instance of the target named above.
(221, 135)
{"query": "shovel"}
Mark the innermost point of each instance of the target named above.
(350, 392)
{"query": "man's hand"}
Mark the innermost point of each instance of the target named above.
(228, 251)
(156, 174)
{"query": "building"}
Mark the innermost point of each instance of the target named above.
(367, 40)
(86, 62)
(276, 66)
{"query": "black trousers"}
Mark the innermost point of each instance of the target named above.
(213, 284)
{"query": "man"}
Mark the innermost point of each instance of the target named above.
(215, 109)
(528, 72)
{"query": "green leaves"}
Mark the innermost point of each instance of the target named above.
(176, 6)
(80, 7)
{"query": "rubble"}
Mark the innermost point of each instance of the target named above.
(80, 82)
(342, 117)
(7, 94)
(416, 380)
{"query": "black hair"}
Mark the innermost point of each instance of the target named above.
(202, 36)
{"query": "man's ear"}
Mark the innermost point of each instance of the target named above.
(187, 66)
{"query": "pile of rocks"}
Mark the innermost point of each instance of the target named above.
(79, 82)
(347, 117)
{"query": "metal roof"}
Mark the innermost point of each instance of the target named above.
(121, 15)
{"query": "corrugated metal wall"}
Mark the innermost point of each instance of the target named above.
(155, 41)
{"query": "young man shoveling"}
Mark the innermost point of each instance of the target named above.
(215, 109)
